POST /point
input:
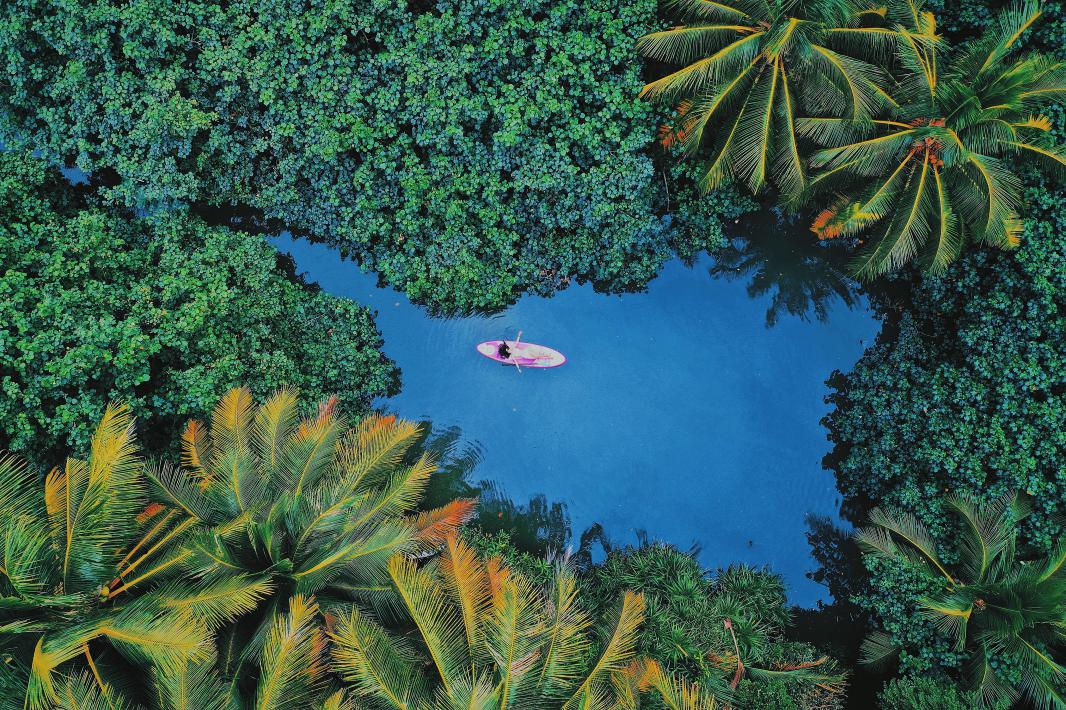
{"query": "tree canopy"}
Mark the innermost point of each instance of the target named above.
(165, 313)
(467, 152)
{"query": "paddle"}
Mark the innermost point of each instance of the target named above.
(514, 356)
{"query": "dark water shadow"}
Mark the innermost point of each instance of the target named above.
(780, 258)
(838, 627)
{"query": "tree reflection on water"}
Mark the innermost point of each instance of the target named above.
(803, 275)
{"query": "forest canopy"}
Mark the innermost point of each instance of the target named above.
(466, 153)
(164, 313)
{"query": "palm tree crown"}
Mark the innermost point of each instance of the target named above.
(65, 550)
(938, 168)
(210, 585)
(290, 514)
(750, 67)
(1007, 614)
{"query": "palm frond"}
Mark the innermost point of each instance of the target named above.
(618, 646)
(568, 623)
(293, 659)
(377, 665)
(273, 426)
(438, 624)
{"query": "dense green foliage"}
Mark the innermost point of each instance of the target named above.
(1003, 613)
(164, 313)
(942, 168)
(720, 630)
(924, 694)
(466, 153)
(963, 391)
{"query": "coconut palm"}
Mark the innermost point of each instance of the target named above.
(750, 67)
(493, 640)
(281, 519)
(1007, 614)
(940, 169)
(65, 549)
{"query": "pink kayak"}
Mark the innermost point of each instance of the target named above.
(523, 354)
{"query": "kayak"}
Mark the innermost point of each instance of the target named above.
(523, 354)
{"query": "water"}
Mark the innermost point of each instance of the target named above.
(680, 412)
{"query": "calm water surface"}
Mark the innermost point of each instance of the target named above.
(680, 411)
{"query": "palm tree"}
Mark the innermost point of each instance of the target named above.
(210, 585)
(939, 169)
(493, 640)
(64, 550)
(282, 520)
(1005, 613)
(750, 67)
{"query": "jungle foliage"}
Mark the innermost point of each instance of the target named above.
(286, 564)
(723, 630)
(162, 312)
(1001, 612)
(963, 391)
(920, 141)
(467, 151)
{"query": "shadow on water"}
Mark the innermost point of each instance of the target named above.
(781, 259)
(839, 626)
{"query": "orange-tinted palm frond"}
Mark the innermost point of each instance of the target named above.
(467, 582)
(195, 447)
(433, 527)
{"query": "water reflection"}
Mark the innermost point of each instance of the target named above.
(781, 259)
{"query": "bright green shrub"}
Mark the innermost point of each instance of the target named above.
(165, 313)
(963, 391)
(924, 694)
(691, 619)
(467, 153)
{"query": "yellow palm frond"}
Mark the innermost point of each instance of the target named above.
(467, 582)
(618, 647)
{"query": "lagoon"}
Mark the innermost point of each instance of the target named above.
(682, 411)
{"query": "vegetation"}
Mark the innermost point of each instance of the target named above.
(66, 548)
(942, 170)
(916, 160)
(924, 694)
(214, 579)
(725, 631)
(750, 68)
(1003, 614)
(162, 312)
(962, 391)
(467, 152)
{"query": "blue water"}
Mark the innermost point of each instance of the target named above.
(680, 412)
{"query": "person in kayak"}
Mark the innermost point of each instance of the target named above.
(504, 351)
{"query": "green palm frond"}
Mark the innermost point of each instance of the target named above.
(293, 659)
(376, 664)
(562, 655)
(219, 601)
(92, 505)
(878, 649)
(193, 686)
(618, 645)
(272, 430)
(439, 626)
